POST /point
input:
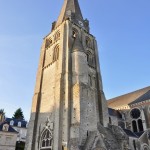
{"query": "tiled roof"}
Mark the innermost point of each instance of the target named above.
(139, 133)
(130, 133)
(10, 129)
(113, 112)
(142, 98)
(127, 98)
(23, 122)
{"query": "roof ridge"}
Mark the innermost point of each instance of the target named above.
(142, 96)
(128, 94)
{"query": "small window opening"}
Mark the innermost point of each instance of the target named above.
(134, 126)
(140, 125)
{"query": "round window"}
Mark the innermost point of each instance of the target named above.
(135, 113)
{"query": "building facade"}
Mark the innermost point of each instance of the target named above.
(8, 137)
(132, 113)
(20, 126)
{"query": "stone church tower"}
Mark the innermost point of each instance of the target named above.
(68, 103)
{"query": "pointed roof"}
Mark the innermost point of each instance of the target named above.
(70, 6)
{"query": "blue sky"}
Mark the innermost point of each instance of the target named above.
(122, 30)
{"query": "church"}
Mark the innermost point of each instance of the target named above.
(69, 108)
(131, 112)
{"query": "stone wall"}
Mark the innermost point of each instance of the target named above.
(8, 140)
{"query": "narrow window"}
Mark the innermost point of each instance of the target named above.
(140, 125)
(110, 122)
(89, 58)
(134, 144)
(134, 126)
(56, 53)
(88, 42)
(57, 36)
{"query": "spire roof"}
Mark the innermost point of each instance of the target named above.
(70, 7)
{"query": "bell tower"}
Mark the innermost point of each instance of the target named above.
(68, 102)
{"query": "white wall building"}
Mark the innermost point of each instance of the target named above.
(20, 126)
(8, 137)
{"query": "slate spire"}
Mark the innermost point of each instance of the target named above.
(70, 9)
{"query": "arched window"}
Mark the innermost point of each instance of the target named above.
(57, 36)
(88, 42)
(46, 140)
(140, 125)
(134, 126)
(48, 42)
(56, 53)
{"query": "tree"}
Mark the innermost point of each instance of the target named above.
(2, 115)
(2, 111)
(18, 114)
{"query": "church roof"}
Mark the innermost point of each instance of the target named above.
(69, 6)
(127, 98)
(23, 122)
(139, 134)
(142, 98)
(130, 133)
(113, 112)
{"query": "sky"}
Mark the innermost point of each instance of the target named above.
(122, 30)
